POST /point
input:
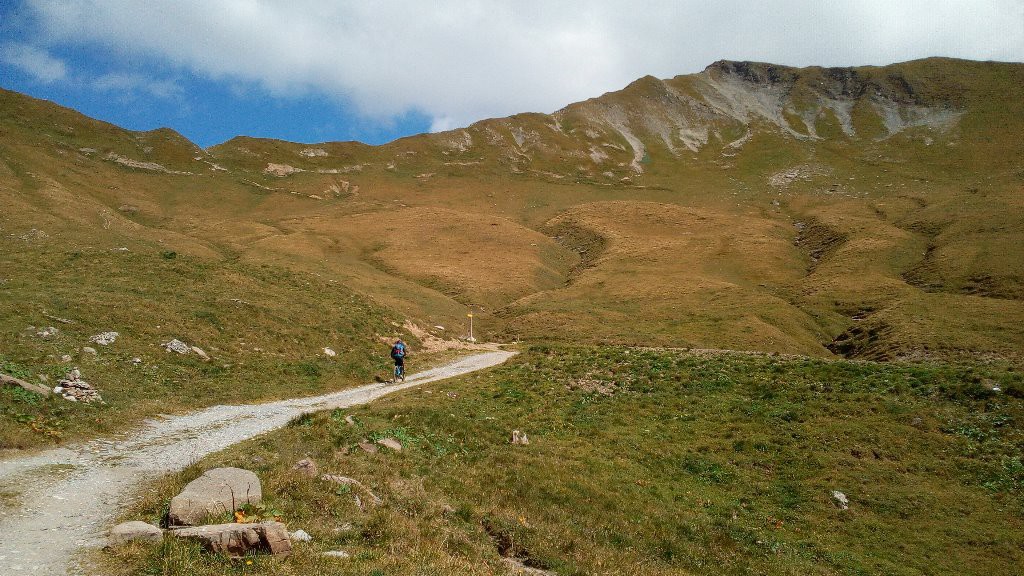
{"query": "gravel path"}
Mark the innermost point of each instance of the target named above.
(74, 493)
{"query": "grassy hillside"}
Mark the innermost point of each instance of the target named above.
(649, 462)
(870, 212)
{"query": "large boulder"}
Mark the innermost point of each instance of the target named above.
(134, 530)
(215, 492)
(236, 539)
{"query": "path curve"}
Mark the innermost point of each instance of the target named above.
(76, 492)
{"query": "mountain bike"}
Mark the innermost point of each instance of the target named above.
(399, 373)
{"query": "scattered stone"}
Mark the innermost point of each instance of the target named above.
(300, 536)
(48, 332)
(368, 447)
(350, 420)
(43, 377)
(520, 438)
(235, 540)
(65, 358)
(438, 327)
(518, 566)
(448, 510)
(74, 389)
(336, 554)
(104, 338)
(12, 381)
(200, 352)
(136, 360)
(306, 467)
(353, 483)
(391, 443)
(217, 491)
(58, 389)
(330, 353)
(89, 350)
(134, 530)
(841, 500)
(178, 346)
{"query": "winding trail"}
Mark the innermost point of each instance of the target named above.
(73, 493)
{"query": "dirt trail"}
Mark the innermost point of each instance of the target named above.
(68, 497)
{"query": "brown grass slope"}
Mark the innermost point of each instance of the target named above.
(872, 212)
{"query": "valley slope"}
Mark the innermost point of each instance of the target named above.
(872, 212)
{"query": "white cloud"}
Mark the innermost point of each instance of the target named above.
(463, 60)
(134, 84)
(34, 61)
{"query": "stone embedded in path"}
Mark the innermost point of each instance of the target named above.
(217, 491)
(134, 530)
(236, 539)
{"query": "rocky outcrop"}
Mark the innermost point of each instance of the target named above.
(217, 491)
(235, 540)
(12, 381)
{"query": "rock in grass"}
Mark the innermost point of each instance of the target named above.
(36, 388)
(89, 350)
(306, 467)
(330, 353)
(300, 536)
(368, 447)
(336, 554)
(200, 352)
(134, 530)
(178, 346)
(217, 491)
(391, 443)
(841, 500)
(520, 438)
(235, 540)
(104, 338)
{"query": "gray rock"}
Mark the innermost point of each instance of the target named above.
(840, 500)
(336, 554)
(200, 352)
(236, 540)
(368, 447)
(217, 491)
(520, 438)
(391, 443)
(89, 350)
(104, 338)
(12, 381)
(178, 346)
(300, 536)
(134, 530)
(48, 332)
(306, 467)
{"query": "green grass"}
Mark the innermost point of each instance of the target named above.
(264, 327)
(693, 463)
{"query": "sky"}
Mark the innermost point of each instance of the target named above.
(375, 70)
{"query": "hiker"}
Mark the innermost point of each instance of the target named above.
(398, 353)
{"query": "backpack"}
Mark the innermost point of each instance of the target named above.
(398, 351)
